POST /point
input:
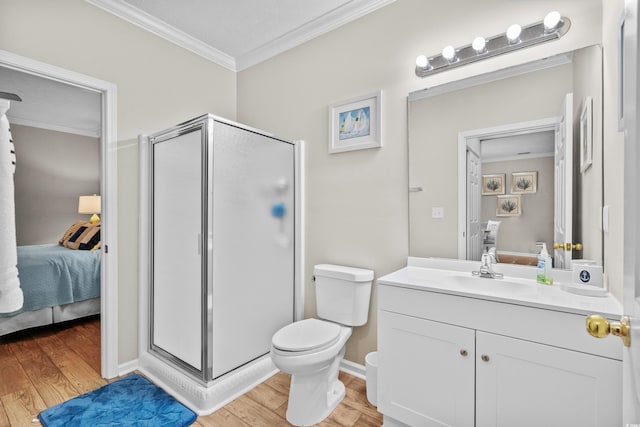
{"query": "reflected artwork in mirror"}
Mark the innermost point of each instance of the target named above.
(520, 124)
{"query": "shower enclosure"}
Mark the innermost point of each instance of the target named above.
(221, 258)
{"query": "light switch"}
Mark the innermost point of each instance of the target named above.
(437, 212)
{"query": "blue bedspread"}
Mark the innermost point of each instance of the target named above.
(52, 275)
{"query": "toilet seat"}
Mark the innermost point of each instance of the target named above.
(306, 335)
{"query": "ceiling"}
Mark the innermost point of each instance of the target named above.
(526, 146)
(235, 34)
(53, 105)
(238, 34)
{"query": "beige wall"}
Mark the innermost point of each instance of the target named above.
(613, 151)
(53, 169)
(587, 82)
(357, 205)
(535, 224)
(159, 85)
(434, 126)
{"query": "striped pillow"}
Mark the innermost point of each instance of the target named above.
(85, 238)
(71, 231)
(82, 235)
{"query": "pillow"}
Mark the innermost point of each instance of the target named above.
(71, 231)
(85, 238)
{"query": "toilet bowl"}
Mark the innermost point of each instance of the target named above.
(311, 350)
(315, 390)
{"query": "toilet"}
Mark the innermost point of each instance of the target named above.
(311, 350)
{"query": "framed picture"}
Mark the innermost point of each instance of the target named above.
(586, 135)
(355, 124)
(493, 184)
(509, 205)
(524, 182)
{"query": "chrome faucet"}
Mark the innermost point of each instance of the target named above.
(486, 267)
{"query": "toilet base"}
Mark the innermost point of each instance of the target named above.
(313, 396)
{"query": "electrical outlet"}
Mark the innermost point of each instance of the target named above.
(437, 212)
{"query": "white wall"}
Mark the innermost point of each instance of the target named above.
(159, 85)
(357, 205)
(52, 170)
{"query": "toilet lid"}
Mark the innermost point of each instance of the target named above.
(306, 335)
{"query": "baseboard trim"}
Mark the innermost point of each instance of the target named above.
(352, 368)
(127, 367)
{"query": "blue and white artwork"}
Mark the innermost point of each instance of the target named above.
(354, 123)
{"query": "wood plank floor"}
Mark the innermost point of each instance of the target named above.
(45, 366)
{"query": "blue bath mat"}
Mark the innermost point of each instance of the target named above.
(130, 401)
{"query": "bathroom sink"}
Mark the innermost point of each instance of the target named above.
(502, 285)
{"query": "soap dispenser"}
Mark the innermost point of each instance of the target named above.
(545, 269)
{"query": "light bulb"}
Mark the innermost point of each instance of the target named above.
(551, 21)
(422, 62)
(513, 33)
(479, 44)
(449, 53)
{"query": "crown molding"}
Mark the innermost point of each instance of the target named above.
(329, 21)
(160, 28)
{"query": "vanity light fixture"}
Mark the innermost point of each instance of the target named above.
(513, 33)
(422, 62)
(551, 21)
(449, 54)
(479, 44)
(516, 37)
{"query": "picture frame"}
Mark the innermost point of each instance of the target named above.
(493, 184)
(356, 124)
(586, 135)
(509, 205)
(524, 182)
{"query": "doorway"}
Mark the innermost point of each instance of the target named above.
(471, 209)
(108, 189)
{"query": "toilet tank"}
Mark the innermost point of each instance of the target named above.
(343, 293)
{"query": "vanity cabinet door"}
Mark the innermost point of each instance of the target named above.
(426, 373)
(521, 383)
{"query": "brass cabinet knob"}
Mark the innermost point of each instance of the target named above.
(600, 327)
(463, 352)
(485, 358)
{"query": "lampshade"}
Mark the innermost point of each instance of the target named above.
(90, 205)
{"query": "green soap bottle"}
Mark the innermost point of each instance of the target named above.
(544, 273)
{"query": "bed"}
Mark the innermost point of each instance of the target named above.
(58, 284)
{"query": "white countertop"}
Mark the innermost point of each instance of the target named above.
(517, 287)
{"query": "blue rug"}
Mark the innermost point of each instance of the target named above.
(130, 401)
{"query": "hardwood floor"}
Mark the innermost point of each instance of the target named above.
(46, 366)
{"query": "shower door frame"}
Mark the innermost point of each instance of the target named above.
(205, 125)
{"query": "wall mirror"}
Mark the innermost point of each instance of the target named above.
(498, 162)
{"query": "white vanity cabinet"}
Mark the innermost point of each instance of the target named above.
(459, 360)
(522, 383)
(428, 374)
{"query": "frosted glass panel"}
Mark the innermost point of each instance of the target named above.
(177, 262)
(253, 243)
